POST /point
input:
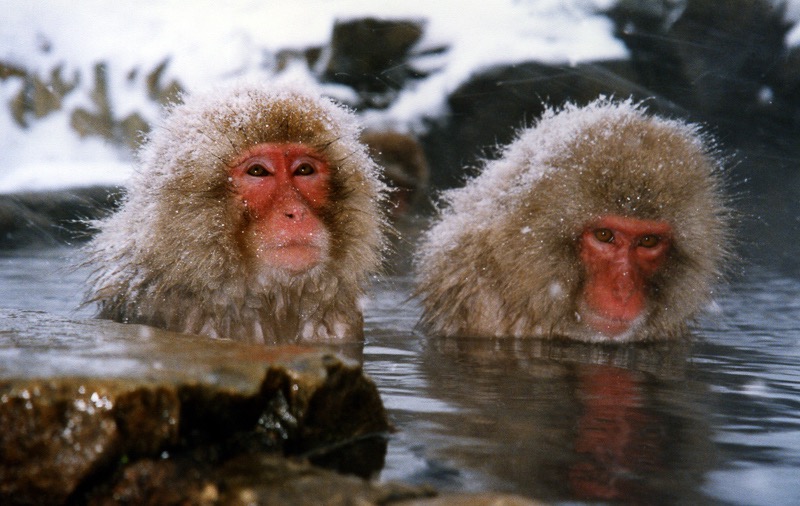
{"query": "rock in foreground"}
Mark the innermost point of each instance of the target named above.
(91, 408)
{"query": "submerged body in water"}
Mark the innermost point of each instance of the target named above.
(255, 216)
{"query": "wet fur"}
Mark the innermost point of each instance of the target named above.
(171, 256)
(502, 258)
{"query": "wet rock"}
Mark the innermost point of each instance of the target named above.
(49, 218)
(94, 409)
(271, 479)
(485, 499)
(251, 479)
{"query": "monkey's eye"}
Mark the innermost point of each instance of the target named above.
(305, 169)
(649, 241)
(604, 235)
(257, 171)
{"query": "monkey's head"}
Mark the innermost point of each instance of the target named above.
(243, 189)
(603, 222)
(192, 157)
(635, 203)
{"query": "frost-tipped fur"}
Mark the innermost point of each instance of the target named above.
(169, 257)
(502, 259)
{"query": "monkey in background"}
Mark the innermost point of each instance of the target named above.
(255, 215)
(405, 168)
(600, 223)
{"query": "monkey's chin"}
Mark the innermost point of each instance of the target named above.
(293, 258)
(601, 328)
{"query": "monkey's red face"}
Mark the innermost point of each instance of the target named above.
(620, 256)
(284, 187)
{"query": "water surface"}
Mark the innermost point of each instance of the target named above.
(716, 420)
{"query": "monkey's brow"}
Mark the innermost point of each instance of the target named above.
(240, 128)
(326, 145)
(211, 152)
(218, 157)
(345, 157)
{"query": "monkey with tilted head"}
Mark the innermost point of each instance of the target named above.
(600, 223)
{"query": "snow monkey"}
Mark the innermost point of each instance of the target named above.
(254, 215)
(405, 168)
(599, 223)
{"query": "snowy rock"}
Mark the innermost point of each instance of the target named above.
(372, 56)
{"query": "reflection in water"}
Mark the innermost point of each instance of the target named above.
(620, 440)
(714, 420)
(573, 420)
(710, 420)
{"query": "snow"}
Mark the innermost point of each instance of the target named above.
(209, 42)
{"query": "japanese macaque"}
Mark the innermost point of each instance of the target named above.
(600, 224)
(255, 215)
(405, 168)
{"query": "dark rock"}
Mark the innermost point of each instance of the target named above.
(251, 479)
(488, 109)
(100, 121)
(49, 218)
(716, 58)
(164, 94)
(90, 408)
(284, 57)
(372, 56)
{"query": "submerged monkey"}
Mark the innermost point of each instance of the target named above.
(255, 215)
(599, 223)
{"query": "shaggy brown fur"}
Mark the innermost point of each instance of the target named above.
(170, 257)
(405, 167)
(502, 260)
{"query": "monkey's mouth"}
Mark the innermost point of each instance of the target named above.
(609, 326)
(294, 256)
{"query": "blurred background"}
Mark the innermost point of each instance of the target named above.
(439, 85)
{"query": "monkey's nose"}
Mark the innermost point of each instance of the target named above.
(294, 213)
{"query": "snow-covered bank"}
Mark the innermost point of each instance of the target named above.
(209, 42)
